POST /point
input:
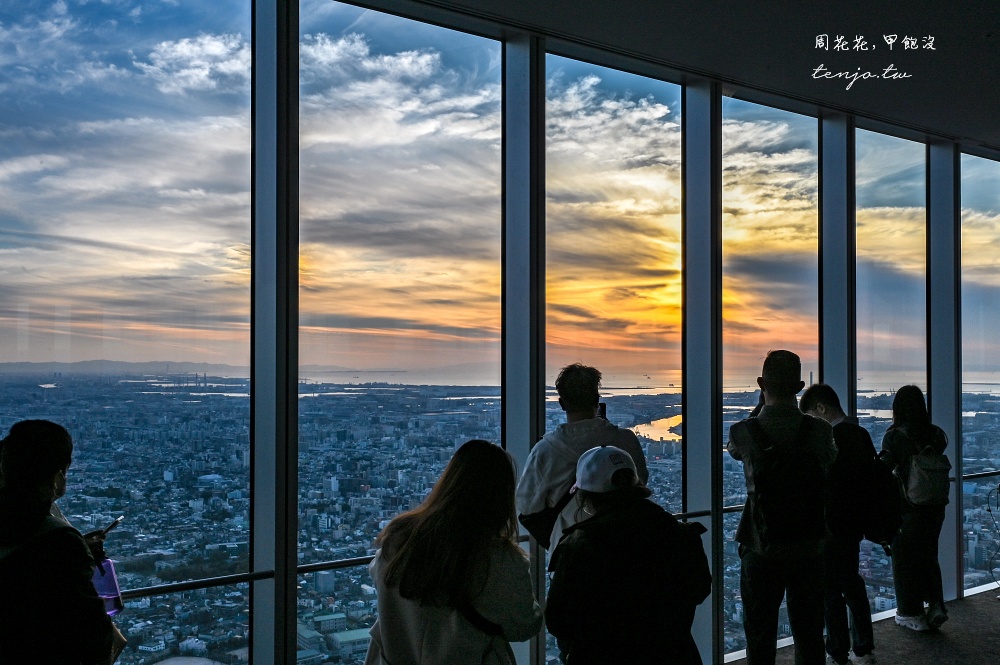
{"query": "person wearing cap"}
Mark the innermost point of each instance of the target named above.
(549, 470)
(785, 455)
(626, 582)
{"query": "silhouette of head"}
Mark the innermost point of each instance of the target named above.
(579, 388)
(782, 374)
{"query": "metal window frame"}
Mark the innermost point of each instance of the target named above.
(274, 290)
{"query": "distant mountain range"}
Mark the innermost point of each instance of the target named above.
(118, 368)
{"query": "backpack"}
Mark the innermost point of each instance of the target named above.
(788, 487)
(882, 516)
(926, 480)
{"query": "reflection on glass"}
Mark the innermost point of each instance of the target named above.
(770, 231)
(980, 368)
(124, 282)
(400, 238)
(613, 253)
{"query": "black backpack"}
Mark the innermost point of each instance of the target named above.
(882, 516)
(788, 486)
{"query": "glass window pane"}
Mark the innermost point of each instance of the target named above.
(891, 271)
(400, 240)
(770, 245)
(125, 273)
(980, 367)
(891, 274)
(613, 254)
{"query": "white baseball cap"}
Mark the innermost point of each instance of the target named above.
(597, 465)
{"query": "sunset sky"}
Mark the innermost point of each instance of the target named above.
(124, 203)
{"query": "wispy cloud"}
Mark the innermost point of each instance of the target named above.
(205, 62)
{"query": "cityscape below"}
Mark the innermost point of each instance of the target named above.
(171, 452)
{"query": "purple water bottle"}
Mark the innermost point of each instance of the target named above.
(106, 583)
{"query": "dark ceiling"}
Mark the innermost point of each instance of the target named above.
(952, 91)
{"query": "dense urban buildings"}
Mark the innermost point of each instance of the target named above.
(171, 453)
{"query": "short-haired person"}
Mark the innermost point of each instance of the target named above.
(453, 585)
(51, 613)
(551, 465)
(785, 455)
(916, 572)
(626, 582)
(844, 588)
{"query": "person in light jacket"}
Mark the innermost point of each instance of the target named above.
(453, 586)
(551, 464)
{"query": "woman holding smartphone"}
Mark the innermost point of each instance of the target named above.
(45, 565)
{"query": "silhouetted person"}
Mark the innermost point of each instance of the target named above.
(551, 465)
(785, 454)
(626, 582)
(847, 478)
(50, 611)
(453, 585)
(916, 572)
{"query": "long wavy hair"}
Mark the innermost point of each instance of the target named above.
(439, 552)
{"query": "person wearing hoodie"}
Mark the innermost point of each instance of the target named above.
(550, 469)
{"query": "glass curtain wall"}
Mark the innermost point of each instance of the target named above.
(770, 236)
(124, 283)
(399, 269)
(891, 241)
(980, 367)
(613, 254)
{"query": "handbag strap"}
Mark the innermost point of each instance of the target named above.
(565, 498)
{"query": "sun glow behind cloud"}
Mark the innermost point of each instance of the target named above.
(124, 202)
(770, 232)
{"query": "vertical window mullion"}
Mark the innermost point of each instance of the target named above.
(838, 270)
(274, 322)
(701, 119)
(944, 339)
(523, 363)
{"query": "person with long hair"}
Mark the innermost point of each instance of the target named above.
(453, 585)
(626, 581)
(51, 613)
(915, 568)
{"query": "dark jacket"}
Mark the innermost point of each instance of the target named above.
(625, 586)
(51, 613)
(849, 479)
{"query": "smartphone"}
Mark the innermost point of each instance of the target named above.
(111, 526)
(602, 410)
